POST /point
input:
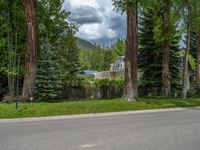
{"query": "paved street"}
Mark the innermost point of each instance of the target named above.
(155, 131)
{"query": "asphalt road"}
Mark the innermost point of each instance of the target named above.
(154, 131)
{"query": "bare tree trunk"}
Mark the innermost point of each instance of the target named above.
(198, 63)
(131, 91)
(166, 86)
(185, 85)
(32, 53)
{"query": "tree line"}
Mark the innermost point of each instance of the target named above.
(170, 15)
(38, 46)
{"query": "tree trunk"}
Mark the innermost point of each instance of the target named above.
(198, 63)
(166, 87)
(32, 52)
(131, 91)
(185, 85)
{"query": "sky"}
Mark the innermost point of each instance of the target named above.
(97, 21)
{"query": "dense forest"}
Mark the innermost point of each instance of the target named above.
(39, 51)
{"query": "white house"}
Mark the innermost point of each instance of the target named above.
(119, 64)
(116, 70)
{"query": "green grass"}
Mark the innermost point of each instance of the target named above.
(91, 106)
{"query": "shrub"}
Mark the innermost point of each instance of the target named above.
(76, 81)
(109, 88)
(83, 88)
(11, 99)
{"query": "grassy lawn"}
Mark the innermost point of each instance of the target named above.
(91, 106)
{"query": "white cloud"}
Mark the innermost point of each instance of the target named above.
(92, 3)
(96, 31)
(96, 19)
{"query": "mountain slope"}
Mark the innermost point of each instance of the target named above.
(85, 45)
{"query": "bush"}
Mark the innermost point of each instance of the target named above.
(76, 81)
(76, 87)
(109, 88)
(110, 83)
(11, 99)
(82, 88)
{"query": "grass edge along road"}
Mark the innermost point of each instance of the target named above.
(44, 109)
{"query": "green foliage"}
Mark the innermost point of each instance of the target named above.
(193, 51)
(59, 53)
(96, 59)
(192, 62)
(123, 5)
(48, 81)
(92, 59)
(110, 83)
(195, 17)
(57, 36)
(109, 88)
(69, 56)
(119, 48)
(151, 51)
(12, 43)
(76, 81)
(101, 58)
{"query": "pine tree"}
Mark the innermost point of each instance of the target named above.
(59, 53)
(48, 80)
(150, 54)
(175, 65)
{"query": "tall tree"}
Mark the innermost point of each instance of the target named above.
(59, 53)
(196, 31)
(185, 84)
(131, 66)
(32, 53)
(151, 51)
(12, 37)
(166, 87)
(198, 63)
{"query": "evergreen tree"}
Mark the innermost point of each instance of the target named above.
(69, 58)
(48, 79)
(59, 53)
(150, 54)
(175, 65)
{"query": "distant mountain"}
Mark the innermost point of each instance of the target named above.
(83, 44)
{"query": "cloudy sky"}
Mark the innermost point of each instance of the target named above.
(97, 21)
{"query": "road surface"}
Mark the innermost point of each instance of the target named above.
(155, 131)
